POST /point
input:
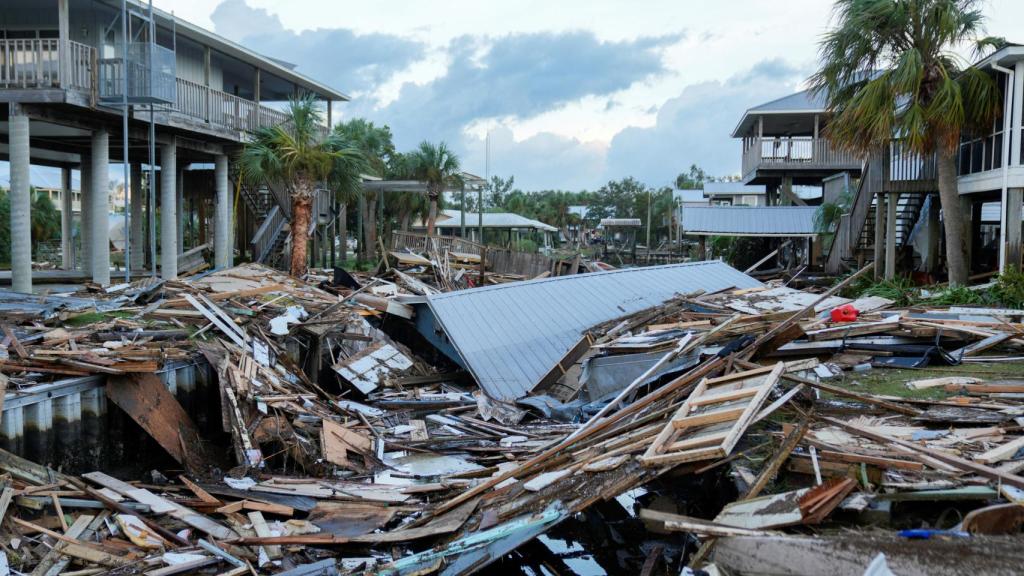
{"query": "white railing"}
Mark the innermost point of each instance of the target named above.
(796, 152)
(221, 108)
(266, 235)
(36, 63)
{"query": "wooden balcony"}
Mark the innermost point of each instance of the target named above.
(35, 64)
(765, 156)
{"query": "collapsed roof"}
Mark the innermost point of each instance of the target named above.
(509, 336)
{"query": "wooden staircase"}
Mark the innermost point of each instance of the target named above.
(271, 208)
(908, 178)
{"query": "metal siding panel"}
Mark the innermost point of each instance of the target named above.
(510, 335)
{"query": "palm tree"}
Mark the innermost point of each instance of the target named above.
(888, 70)
(375, 143)
(297, 157)
(438, 166)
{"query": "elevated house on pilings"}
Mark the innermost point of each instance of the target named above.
(892, 213)
(194, 96)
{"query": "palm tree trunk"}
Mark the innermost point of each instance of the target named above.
(302, 205)
(343, 231)
(432, 215)
(405, 218)
(949, 197)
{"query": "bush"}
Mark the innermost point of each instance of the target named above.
(900, 290)
(958, 296)
(525, 245)
(1009, 289)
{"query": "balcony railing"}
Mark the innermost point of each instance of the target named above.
(36, 63)
(151, 71)
(798, 152)
(216, 107)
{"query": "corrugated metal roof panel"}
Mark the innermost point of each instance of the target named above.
(510, 335)
(749, 221)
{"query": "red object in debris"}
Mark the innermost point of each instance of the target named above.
(844, 313)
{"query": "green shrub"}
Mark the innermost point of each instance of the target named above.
(958, 296)
(900, 290)
(525, 245)
(1009, 289)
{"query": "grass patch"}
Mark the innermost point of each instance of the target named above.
(95, 318)
(893, 381)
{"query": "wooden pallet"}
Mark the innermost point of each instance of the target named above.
(709, 424)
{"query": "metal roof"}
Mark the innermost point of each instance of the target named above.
(749, 221)
(510, 335)
(621, 222)
(491, 220)
(733, 188)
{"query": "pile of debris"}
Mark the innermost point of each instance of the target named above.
(369, 434)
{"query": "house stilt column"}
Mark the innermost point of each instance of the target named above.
(879, 236)
(67, 217)
(1014, 201)
(21, 202)
(890, 236)
(138, 200)
(222, 218)
(85, 204)
(100, 204)
(168, 211)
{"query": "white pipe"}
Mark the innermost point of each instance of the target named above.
(1008, 92)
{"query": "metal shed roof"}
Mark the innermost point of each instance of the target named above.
(510, 335)
(492, 220)
(749, 221)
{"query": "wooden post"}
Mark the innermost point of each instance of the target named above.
(890, 236)
(879, 235)
(206, 80)
(1014, 201)
(64, 33)
(702, 246)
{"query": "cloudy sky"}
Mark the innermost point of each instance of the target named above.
(573, 92)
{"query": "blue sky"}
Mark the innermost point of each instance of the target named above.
(573, 93)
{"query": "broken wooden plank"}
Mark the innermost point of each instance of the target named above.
(148, 402)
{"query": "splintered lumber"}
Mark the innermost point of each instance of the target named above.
(838, 391)
(679, 523)
(943, 457)
(589, 429)
(783, 326)
(145, 398)
(711, 421)
(77, 548)
(1002, 452)
(160, 505)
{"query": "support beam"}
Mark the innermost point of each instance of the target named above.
(67, 218)
(21, 202)
(1014, 201)
(85, 202)
(879, 235)
(181, 211)
(100, 203)
(168, 212)
(1018, 112)
(890, 236)
(64, 34)
(222, 220)
(138, 239)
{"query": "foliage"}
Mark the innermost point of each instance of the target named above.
(692, 180)
(438, 166)
(1009, 289)
(900, 290)
(496, 189)
(957, 296)
(45, 224)
(738, 251)
(525, 245)
(921, 89)
(294, 155)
